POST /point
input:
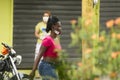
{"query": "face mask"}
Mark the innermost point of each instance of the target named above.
(45, 19)
(56, 32)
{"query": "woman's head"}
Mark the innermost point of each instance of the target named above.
(46, 15)
(54, 25)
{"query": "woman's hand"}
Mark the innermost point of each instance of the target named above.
(31, 76)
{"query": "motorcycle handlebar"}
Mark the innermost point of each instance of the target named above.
(5, 45)
(12, 52)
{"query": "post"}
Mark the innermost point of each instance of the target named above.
(90, 15)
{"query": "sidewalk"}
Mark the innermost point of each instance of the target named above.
(37, 79)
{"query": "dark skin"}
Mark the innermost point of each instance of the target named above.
(57, 27)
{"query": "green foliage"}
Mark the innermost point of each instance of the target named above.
(101, 55)
(104, 58)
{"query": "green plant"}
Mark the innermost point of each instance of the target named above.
(101, 55)
(102, 51)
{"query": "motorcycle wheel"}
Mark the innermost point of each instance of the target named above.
(23, 77)
(1, 77)
(14, 78)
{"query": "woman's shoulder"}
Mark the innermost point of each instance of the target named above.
(47, 41)
(40, 23)
(48, 38)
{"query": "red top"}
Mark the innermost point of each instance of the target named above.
(49, 43)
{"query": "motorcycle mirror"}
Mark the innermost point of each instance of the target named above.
(18, 59)
(13, 51)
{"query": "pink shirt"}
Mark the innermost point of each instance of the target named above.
(49, 43)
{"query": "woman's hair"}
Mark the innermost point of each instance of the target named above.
(48, 12)
(51, 21)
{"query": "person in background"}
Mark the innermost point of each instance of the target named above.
(48, 50)
(40, 32)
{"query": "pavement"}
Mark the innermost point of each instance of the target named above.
(37, 79)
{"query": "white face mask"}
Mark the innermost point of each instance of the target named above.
(45, 19)
(56, 32)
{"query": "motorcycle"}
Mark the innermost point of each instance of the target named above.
(8, 61)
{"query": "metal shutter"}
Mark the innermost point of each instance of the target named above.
(27, 13)
(109, 9)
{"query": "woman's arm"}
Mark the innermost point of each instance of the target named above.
(36, 62)
(37, 34)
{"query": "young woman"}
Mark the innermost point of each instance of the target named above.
(40, 32)
(48, 50)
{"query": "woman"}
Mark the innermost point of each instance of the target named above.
(48, 51)
(40, 32)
